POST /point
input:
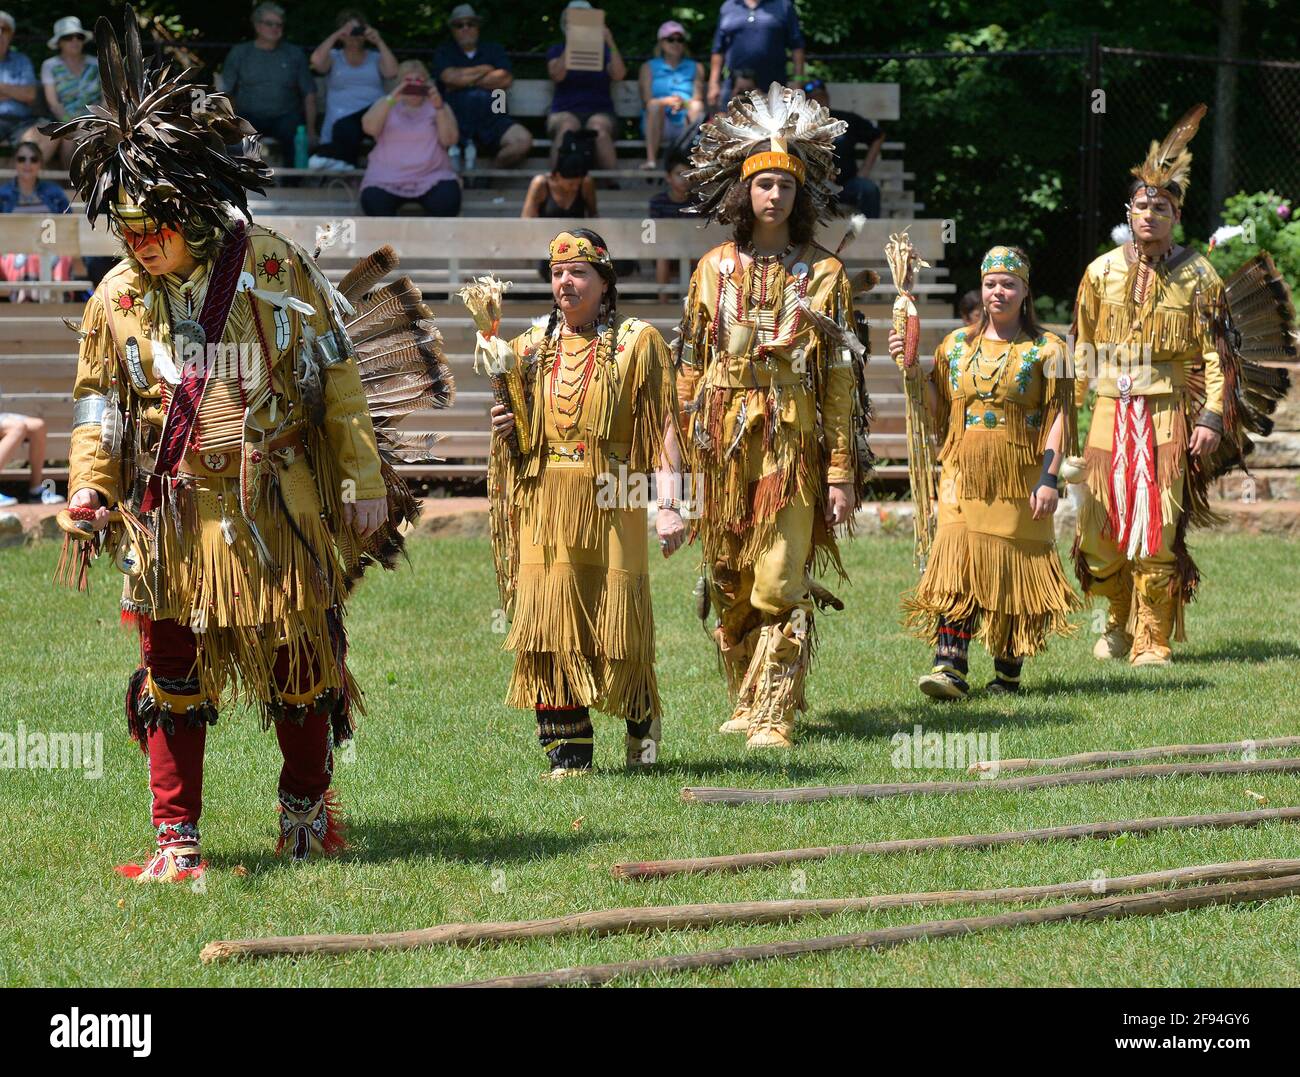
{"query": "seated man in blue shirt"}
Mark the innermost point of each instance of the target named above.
(475, 76)
(857, 189)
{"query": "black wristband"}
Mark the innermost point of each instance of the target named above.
(1211, 420)
(1046, 478)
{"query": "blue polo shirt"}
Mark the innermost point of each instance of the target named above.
(758, 38)
(16, 70)
(472, 104)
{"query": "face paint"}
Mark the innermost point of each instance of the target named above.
(137, 241)
(1151, 211)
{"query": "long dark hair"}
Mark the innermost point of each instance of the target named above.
(1029, 322)
(609, 306)
(737, 210)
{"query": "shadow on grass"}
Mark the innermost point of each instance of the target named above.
(752, 765)
(437, 837)
(883, 723)
(1246, 650)
(1127, 683)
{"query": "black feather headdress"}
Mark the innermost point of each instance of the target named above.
(159, 140)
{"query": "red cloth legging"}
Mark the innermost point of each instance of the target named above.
(176, 759)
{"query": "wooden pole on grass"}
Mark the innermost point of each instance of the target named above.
(658, 869)
(709, 795)
(680, 917)
(1232, 893)
(1134, 755)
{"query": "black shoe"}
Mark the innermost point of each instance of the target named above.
(570, 756)
(1002, 688)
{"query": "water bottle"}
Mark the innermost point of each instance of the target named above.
(300, 147)
(471, 155)
(454, 154)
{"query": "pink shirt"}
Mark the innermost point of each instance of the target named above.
(408, 159)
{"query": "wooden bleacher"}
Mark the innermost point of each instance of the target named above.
(494, 192)
(38, 360)
(38, 354)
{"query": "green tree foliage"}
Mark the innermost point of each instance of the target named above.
(1269, 219)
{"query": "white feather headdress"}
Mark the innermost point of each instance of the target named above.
(753, 123)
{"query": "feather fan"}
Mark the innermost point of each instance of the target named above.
(399, 354)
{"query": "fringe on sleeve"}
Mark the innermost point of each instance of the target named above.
(654, 401)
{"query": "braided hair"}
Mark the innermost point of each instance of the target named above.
(609, 305)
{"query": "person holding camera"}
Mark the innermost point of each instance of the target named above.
(355, 61)
(412, 128)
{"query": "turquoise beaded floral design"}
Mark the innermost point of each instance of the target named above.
(1034, 420)
(986, 418)
(954, 359)
(1026, 371)
(1003, 259)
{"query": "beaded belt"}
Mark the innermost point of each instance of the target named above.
(219, 465)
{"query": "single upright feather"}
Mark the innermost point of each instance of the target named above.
(1169, 161)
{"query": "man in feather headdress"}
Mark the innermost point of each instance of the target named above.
(771, 389)
(223, 447)
(1176, 394)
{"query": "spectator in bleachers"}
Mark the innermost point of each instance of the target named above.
(14, 430)
(566, 191)
(671, 203)
(270, 81)
(17, 85)
(28, 193)
(672, 91)
(742, 81)
(857, 188)
(472, 72)
(355, 60)
(412, 128)
(71, 84)
(757, 35)
(676, 196)
(584, 99)
(970, 308)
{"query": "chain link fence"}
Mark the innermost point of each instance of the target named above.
(1249, 141)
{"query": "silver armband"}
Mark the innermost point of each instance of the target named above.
(688, 354)
(333, 347)
(89, 410)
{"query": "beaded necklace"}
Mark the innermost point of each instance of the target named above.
(993, 379)
(568, 405)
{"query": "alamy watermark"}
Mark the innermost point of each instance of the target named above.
(36, 750)
(919, 750)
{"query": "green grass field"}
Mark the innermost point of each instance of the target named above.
(450, 822)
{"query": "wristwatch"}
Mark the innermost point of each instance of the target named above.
(670, 503)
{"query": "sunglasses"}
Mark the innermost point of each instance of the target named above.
(676, 39)
(27, 160)
(271, 22)
(463, 25)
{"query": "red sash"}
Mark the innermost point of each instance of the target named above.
(178, 427)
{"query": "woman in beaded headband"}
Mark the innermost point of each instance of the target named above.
(1004, 275)
(569, 526)
(583, 245)
(1003, 404)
